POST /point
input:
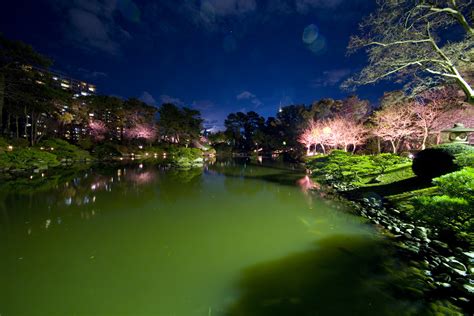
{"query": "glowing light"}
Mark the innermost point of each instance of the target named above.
(327, 130)
(310, 34)
(10, 147)
(318, 46)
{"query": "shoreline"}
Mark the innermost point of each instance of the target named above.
(446, 269)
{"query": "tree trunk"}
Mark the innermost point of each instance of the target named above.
(25, 134)
(17, 125)
(465, 86)
(2, 99)
(8, 123)
(354, 148)
(324, 149)
(394, 147)
(425, 137)
(379, 145)
(32, 130)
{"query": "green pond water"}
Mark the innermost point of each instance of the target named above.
(232, 239)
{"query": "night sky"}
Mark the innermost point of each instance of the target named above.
(218, 56)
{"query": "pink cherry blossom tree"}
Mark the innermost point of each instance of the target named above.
(97, 129)
(439, 109)
(141, 131)
(394, 124)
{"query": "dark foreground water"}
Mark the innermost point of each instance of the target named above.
(234, 239)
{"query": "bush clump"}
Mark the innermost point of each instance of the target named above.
(185, 158)
(340, 166)
(106, 151)
(64, 150)
(452, 211)
(437, 161)
(27, 159)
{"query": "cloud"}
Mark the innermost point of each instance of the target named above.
(229, 7)
(247, 95)
(305, 6)
(212, 14)
(330, 78)
(164, 98)
(92, 25)
(91, 74)
(202, 105)
(148, 98)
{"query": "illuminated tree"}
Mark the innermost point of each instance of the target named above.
(422, 43)
(308, 138)
(98, 130)
(343, 133)
(146, 132)
(338, 132)
(394, 124)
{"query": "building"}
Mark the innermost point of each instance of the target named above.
(60, 80)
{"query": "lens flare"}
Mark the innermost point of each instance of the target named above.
(319, 46)
(310, 34)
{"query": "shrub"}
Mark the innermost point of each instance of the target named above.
(19, 142)
(437, 161)
(106, 151)
(26, 159)
(86, 143)
(185, 157)
(452, 211)
(64, 150)
(465, 160)
(3, 143)
(341, 166)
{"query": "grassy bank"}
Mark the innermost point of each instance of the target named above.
(431, 220)
(17, 158)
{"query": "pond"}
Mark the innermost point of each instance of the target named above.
(232, 239)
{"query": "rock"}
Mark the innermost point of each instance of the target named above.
(444, 277)
(412, 246)
(440, 246)
(408, 226)
(470, 255)
(456, 266)
(420, 232)
(469, 288)
(443, 284)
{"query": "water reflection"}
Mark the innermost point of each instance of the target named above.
(84, 193)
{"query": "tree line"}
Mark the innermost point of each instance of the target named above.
(399, 123)
(33, 108)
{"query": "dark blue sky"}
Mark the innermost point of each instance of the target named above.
(218, 56)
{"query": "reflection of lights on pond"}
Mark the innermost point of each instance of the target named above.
(307, 184)
(141, 177)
